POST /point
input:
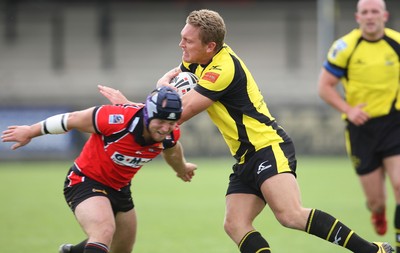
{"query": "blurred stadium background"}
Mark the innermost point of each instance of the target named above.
(54, 53)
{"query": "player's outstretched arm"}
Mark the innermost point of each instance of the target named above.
(57, 124)
(21, 135)
(174, 157)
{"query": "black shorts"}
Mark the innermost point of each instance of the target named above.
(265, 163)
(369, 144)
(121, 201)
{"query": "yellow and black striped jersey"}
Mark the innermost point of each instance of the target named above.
(369, 70)
(239, 110)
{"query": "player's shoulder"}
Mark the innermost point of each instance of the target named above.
(127, 108)
(223, 66)
(353, 36)
(117, 114)
(348, 41)
(226, 55)
(343, 47)
(393, 34)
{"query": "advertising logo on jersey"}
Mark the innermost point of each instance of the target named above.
(129, 161)
(211, 76)
(390, 59)
(216, 67)
(116, 119)
(339, 45)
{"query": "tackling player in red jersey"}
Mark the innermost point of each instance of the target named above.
(123, 139)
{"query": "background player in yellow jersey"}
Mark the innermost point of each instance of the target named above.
(366, 62)
(265, 157)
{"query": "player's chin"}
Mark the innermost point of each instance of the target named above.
(186, 57)
(158, 137)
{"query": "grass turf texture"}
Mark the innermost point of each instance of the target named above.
(175, 216)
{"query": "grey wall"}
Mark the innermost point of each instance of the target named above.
(57, 52)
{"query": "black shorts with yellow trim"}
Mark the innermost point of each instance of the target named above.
(265, 163)
(78, 187)
(369, 144)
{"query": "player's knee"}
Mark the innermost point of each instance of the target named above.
(234, 227)
(290, 219)
(103, 233)
(230, 226)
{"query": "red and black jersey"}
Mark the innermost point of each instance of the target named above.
(115, 153)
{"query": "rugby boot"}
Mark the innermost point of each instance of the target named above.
(384, 247)
(379, 222)
(65, 248)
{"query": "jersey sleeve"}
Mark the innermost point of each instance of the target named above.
(109, 119)
(334, 70)
(340, 52)
(337, 53)
(337, 59)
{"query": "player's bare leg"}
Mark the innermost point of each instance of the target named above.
(96, 218)
(125, 233)
(373, 185)
(283, 196)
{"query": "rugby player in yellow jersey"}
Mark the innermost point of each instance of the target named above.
(265, 168)
(366, 62)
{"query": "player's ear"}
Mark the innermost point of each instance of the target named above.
(386, 16)
(211, 47)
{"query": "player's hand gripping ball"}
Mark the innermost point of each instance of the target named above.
(184, 82)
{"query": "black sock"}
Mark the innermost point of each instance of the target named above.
(96, 247)
(330, 229)
(253, 242)
(79, 248)
(397, 227)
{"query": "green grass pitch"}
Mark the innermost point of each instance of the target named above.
(174, 216)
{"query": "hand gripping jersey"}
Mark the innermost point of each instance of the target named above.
(114, 154)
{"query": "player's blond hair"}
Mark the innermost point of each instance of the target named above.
(211, 24)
